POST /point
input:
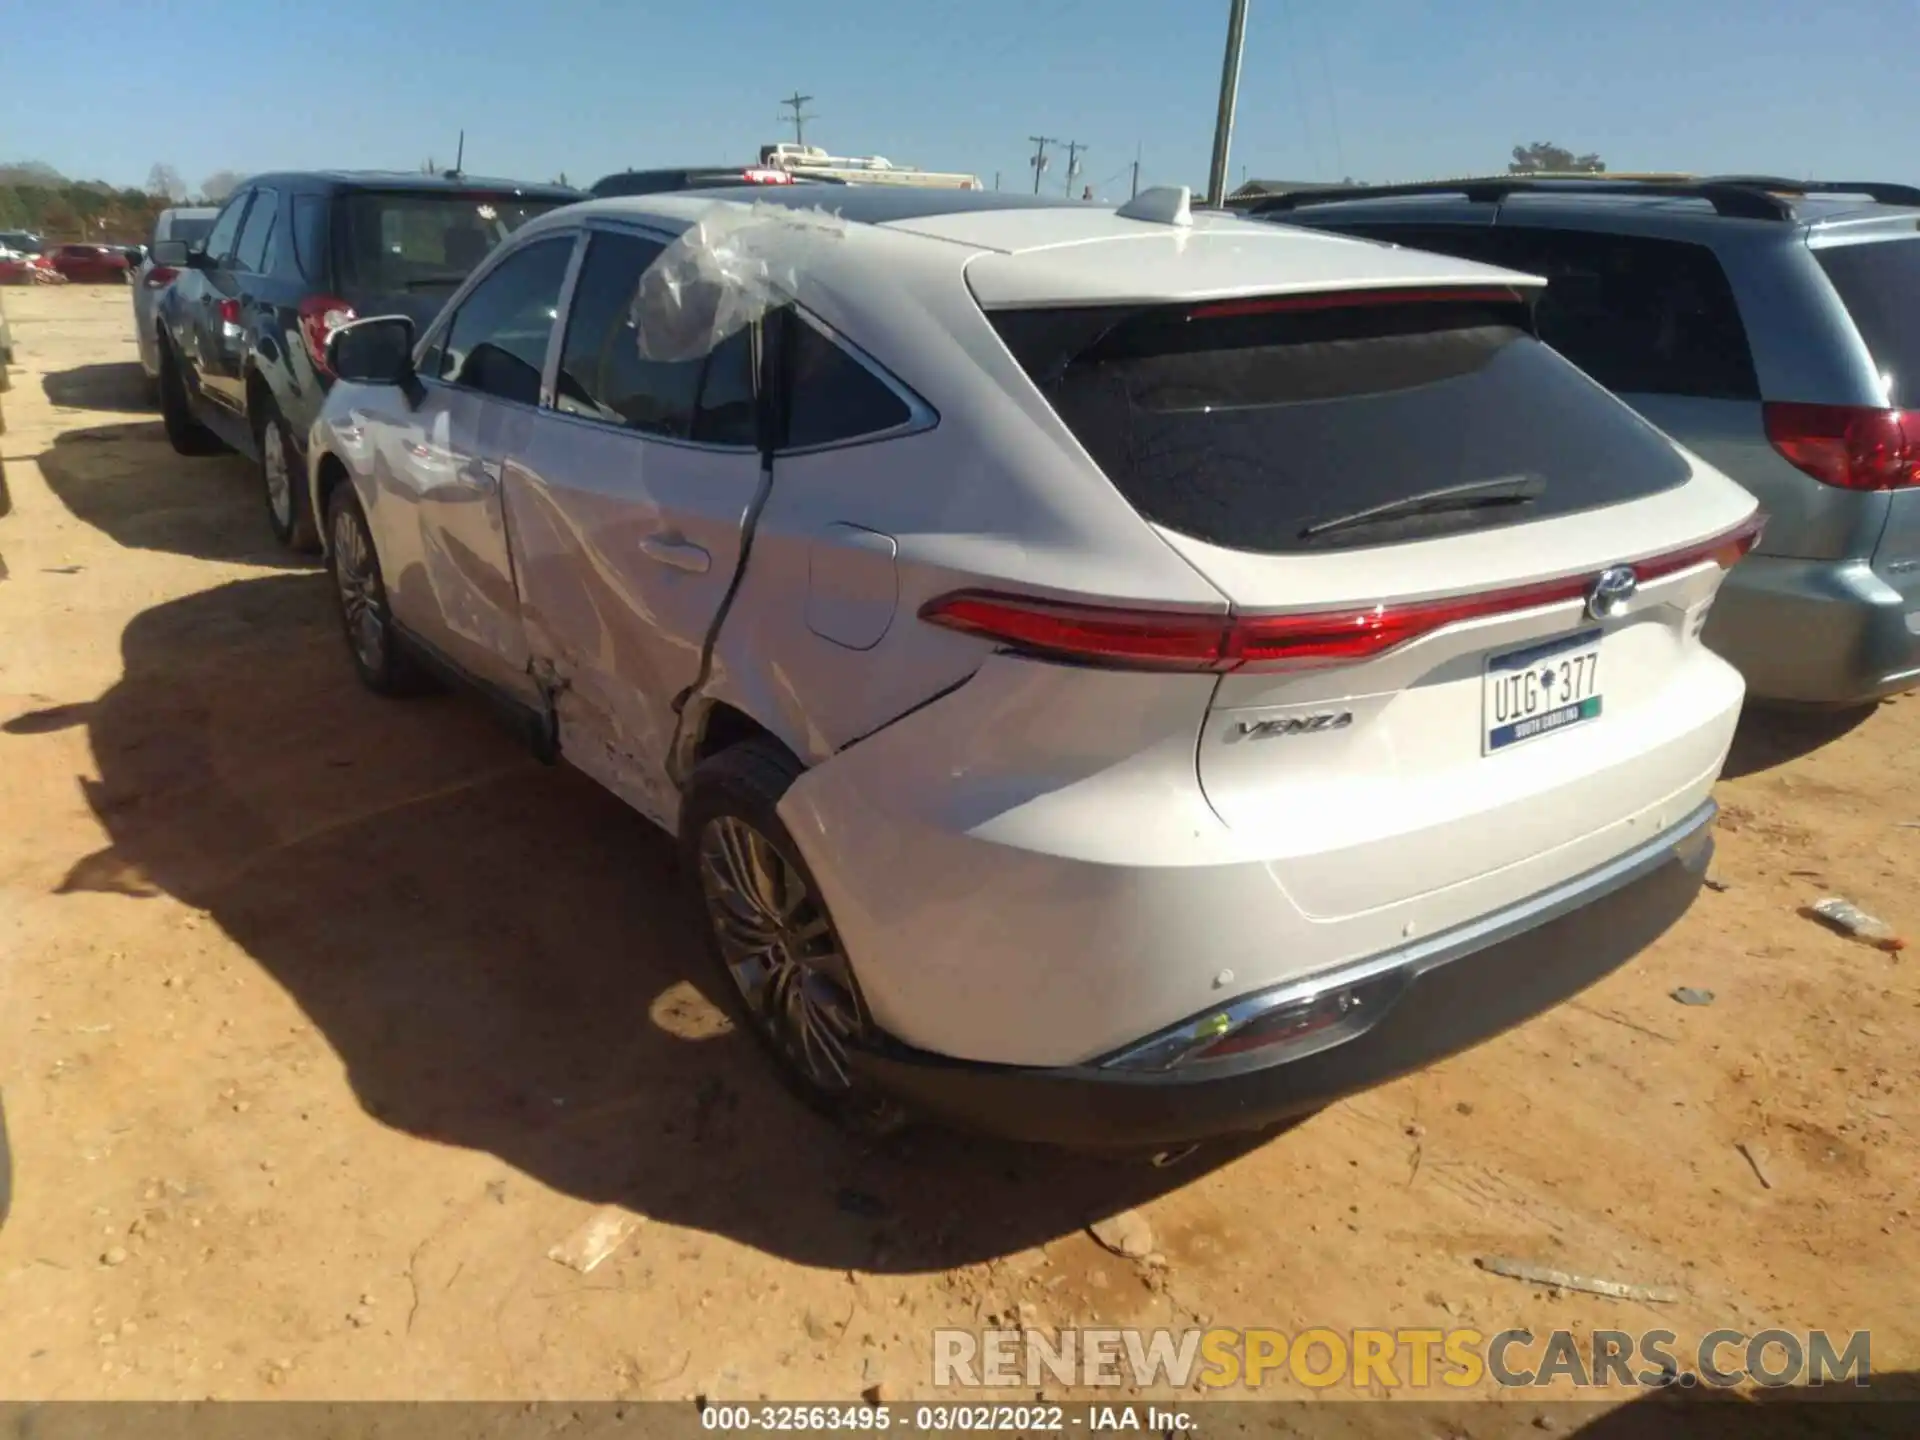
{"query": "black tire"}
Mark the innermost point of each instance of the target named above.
(740, 787)
(379, 654)
(186, 434)
(283, 482)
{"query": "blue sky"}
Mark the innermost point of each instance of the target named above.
(1378, 89)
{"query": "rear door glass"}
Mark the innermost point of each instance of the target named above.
(310, 236)
(1254, 431)
(251, 254)
(1879, 282)
(603, 375)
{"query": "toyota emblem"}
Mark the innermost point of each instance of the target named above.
(1611, 592)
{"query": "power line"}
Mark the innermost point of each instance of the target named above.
(796, 102)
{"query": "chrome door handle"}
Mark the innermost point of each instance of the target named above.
(680, 554)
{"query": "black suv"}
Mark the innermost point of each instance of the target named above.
(242, 331)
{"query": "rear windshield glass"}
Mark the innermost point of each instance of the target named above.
(1879, 281)
(190, 228)
(404, 243)
(1311, 430)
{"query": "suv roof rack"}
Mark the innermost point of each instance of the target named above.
(1879, 191)
(1739, 197)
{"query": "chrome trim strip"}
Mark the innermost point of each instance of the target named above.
(1160, 1051)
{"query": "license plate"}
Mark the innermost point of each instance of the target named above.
(1537, 691)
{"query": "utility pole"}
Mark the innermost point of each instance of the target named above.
(1039, 161)
(460, 154)
(1229, 98)
(1074, 149)
(1135, 191)
(796, 102)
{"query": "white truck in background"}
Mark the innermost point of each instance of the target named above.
(810, 162)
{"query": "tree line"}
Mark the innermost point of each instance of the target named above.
(35, 196)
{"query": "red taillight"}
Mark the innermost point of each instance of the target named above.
(1181, 640)
(320, 316)
(767, 175)
(229, 312)
(159, 277)
(1354, 299)
(1854, 447)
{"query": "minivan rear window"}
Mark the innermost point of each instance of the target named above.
(1879, 282)
(418, 242)
(1300, 430)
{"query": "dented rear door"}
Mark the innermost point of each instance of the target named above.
(627, 513)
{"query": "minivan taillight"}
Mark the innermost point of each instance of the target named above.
(159, 277)
(320, 316)
(1853, 447)
(1133, 639)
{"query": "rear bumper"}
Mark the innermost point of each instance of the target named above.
(1817, 632)
(1420, 1004)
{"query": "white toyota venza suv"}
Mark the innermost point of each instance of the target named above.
(1117, 677)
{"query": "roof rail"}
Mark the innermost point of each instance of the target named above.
(1879, 191)
(1734, 198)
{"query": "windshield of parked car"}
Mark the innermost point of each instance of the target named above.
(190, 228)
(1879, 281)
(402, 242)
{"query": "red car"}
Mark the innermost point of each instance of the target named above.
(18, 269)
(89, 262)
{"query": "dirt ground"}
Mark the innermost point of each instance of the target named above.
(323, 1019)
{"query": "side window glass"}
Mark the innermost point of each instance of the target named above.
(226, 228)
(1469, 242)
(833, 397)
(497, 342)
(250, 255)
(1642, 316)
(604, 376)
(310, 236)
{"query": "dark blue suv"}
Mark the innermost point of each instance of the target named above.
(242, 330)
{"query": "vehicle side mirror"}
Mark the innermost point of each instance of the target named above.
(172, 253)
(374, 351)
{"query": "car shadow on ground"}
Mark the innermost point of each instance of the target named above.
(1889, 1407)
(120, 386)
(498, 951)
(127, 481)
(1773, 735)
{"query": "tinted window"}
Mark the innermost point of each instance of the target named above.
(190, 228)
(423, 241)
(834, 397)
(1880, 285)
(604, 376)
(497, 342)
(310, 235)
(251, 254)
(1253, 431)
(1648, 317)
(226, 228)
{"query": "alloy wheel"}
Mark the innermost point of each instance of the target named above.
(362, 603)
(781, 950)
